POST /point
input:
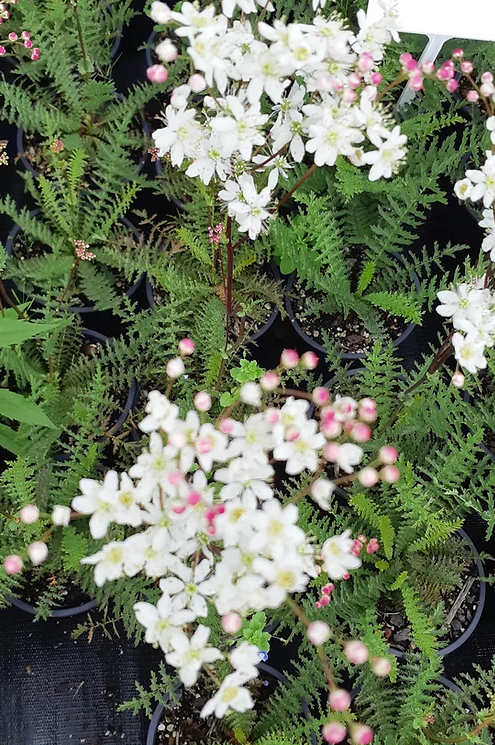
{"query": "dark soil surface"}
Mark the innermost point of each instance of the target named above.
(71, 595)
(181, 723)
(398, 632)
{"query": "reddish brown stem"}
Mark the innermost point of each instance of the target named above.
(230, 268)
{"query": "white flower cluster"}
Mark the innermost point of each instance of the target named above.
(471, 306)
(265, 95)
(210, 526)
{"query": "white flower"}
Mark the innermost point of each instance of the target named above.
(321, 491)
(290, 130)
(490, 125)
(196, 21)
(180, 136)
(231, 695)
(331, 137)
(245, 476)
(239, 127)
(161, 413)
(469, 352)
(457, 303)
(160, 12)
(166, 51)
(99, 501)
(146, 551)
(383, 161)
(276, 529)
(247, 7)
(190, 654)
(211, 445)
(154, 466)
(211, 159)
(253, 439)
(246, 205)
(348, 456)
(484, 182)
(245, 659)
(109, 562)
(371, 119)
(283, 577)
(61, 515)
(163, 622)
(187, 587)
(250, 393)
(463, 188)
(265, 72)
(337, 557)
(301, 452)
(237, 519)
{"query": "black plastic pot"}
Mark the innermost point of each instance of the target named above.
(150, 44)
(266, 326)
(58, 612)
(267, 669)
(27, 165)
(84, 309)
(321, 349)
(455, 645)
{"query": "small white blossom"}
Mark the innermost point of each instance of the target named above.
(189, 655)
(337, 557)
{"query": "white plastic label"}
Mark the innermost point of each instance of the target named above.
(455, 18)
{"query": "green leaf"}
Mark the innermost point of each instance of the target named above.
(247, 371)
(398, 304)
(8, 440)
(227, 399)
(16, 330)
(387, 533)
(366, 277)
(287, 265)
(20, 409)
(399, 581)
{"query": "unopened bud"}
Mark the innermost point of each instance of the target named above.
(390, 474)
(339, 700)
(321, 396)
(157, 74)
(197, 83)
(388, 454)
(381, 666)
(202, 401)
(356, 652)
(29, 514)
(37, 552)
(13, 564)
(334, 732)
(368, 477)
(458, 380)
(269, 381)
(61, 515)
(231, 623)
(289, 359)
(361, 734)
(186, 347)
(318, 632)
(175, 368)
(309, 360)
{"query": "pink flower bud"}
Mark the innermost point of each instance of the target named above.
(487, 89)
(356, 652)
(452, 86)
(13, 564)
(381, 666)
(472, 96)
(203, 445)
(197, 83)
(25, 35)
(226, 426)
(318, 632)
(211, 530)
(368, 477)
(331, 451)
(416, 82)
(405, 57)
(37, 552)
(324, 600)
(269, 381)
(193, 498)
(28, 43)
(157, 74)
(361, 432)
(373, 546)
(219, 509)
(272, 416)
(376, 78)
(186, 347)
(324, 82)
(334, 732)
(346, 576)
(175, 368)
(367, 414)
(13, 36)
(371, 92)
(317, 605)
(210, 515)
(321, 396)
(175, 477)
(202, 401)
(61, 515)
(365, 62)
(428, 68)
(361, 734)
(29, 514)
(2, 51)
(349, 96)
(292, 434)
(166, 51)
(458, 53)
(231, 623)
(327, 589)
(467, 67)
(388, 454)
(331, 428)
(289, 359)
(178, 508)
(487, 77)
(412, 66)
(444, 73)
(339, 700)
(35, 56)
(310, 360)
(458, 380)
(390, 474)
(354, 80)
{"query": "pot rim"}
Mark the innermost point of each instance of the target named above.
(57, 613)
(9, 251)
(157, 714)
(345, 355)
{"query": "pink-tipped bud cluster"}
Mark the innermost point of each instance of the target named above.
(210, 514)
(326, 592)
(35, 54)
(157, 74)
(334, 732)
(82, 252)
(215, 233)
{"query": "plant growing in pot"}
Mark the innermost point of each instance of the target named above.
(215, 534)
(59, 254)
(67, 99)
